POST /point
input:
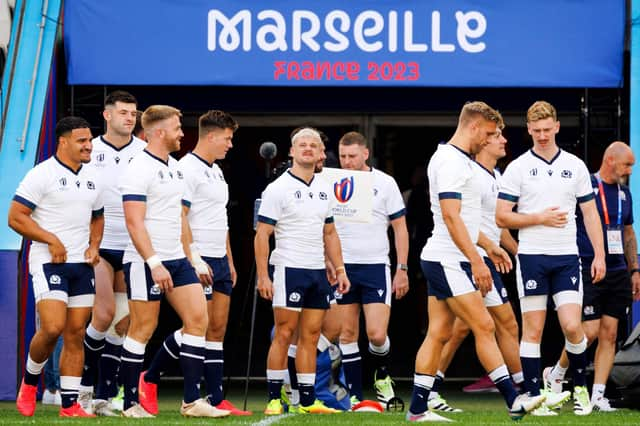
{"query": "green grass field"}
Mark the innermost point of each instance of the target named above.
(480, 409)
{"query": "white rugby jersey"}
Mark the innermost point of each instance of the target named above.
(111, 163)
(490, 186)
(208, 210)
(299, 212)
(536, 184)
(368, 243)
(63, 203)
(161, 185)
(452, 174)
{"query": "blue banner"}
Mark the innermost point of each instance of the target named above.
(439, 43)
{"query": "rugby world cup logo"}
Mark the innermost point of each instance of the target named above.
(343, 190)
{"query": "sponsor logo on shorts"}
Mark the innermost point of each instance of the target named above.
(55, 279)
(155, 290)
(503, 292)
(574, 280)
(531, 285)
(93, 282)
(208, 290)
(294, 297)
(337, 295)
(588, 310)
(380, 293)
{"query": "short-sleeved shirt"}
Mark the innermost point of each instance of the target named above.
(490, 185)
(208, 210)
(452, 174)
(63, 202)
(299, 212)
(162, 187)
(613, 193)
(536, 184)
(368, 243)
(110, 163)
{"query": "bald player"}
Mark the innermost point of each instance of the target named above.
(606, 302)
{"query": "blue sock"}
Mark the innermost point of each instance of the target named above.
(69, 386)
(500, 376)
(93, 345)
(192, 363)
(576, 352)
(213, 371)
(275, 379)
(352, 364)
(130, 368)
(291, 366)
(108, 368)
(422, 385)
(306, 384)
(530, 358)
(169, 352)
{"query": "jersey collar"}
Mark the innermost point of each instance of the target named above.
(301, 180)
(166, 163)
(210, 165)
(548, 162)
(67, 167)
(115, 148)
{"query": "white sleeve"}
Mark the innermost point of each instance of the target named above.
(584, 190)
(190, 183)
(134, 185)
(394, 202)
(271, 206)
(452, 177)
(32, 189)
(511, 183)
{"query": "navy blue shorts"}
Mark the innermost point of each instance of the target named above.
(448, 279)
(369, 284)
(298, 288)
(72, 283)
(222, 282)
(140, 285)
(611, 296)
(498, 294)
(548, 275)
(113, 258)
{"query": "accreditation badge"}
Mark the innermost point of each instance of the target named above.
(614, 241)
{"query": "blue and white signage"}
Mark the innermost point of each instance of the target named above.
(457, 43)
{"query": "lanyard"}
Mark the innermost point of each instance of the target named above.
(603, 200)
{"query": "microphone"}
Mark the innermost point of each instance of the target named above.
(268, 150)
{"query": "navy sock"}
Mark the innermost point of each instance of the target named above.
(69, 386)
(213, 371)
(108, 368)
(500, 376)
(168, 352)
(422, 385)
(130, 368)
(93, 345)
(577, 361)
(530, 358)
(192, 363)
(275, 379)
(381, 356)
(307, 391)
(439, 380)
(291, 366)
(352, 364)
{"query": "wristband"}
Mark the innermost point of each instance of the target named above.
(633, 271)
(154, 261)
(195, 254)
(198, 262)
(341, 268)
(403, 266)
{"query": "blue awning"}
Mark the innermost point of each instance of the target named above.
(436, 43)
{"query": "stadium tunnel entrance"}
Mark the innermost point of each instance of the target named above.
(403, 127)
